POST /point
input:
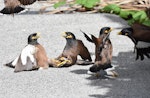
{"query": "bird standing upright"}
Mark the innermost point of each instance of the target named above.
(103, 52)
(140, 35)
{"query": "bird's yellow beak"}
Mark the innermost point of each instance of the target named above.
(108, 31)
(119, 33)
(37, 36)
(64, 34)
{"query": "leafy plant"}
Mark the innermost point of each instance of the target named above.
(129, 15)
(87, 3)
(60, 3)
(112, 8)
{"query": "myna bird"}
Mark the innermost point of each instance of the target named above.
(103, 52)
(14, 6)
(73, 48)
(33, 56)
(103, 33)
(139, 33)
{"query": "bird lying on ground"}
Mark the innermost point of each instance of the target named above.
(103, 52)
(14, 6)
(140, 35)
(73, 48)
(33, 56)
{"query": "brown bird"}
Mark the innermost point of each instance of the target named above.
(33, 56)
(103, 51)
(14, 6)
(73, 48)
(139, 33)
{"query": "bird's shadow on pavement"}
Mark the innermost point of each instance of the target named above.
(128, 70)
(32, 13)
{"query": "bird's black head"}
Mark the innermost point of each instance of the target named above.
(126, 31)
(32, 39)
(68, 35)
(105, 30)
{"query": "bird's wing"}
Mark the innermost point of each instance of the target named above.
(87, 37)
(27, 2)
(84, 53)
(27, 52)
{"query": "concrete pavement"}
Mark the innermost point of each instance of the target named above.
(71, 82)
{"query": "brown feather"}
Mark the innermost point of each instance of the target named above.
(27, 2)
(83, 51)
(141, 32)
(41, 57)
(72, 49)
(103, 53)
(13, 6)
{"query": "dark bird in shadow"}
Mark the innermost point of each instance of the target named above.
(32, 56)
(72, 49)
(103, 51)
(140, 36)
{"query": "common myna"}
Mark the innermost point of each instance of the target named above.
(139, 33)
(73, 48)
(14, 6)
(33, 56)
(103, 52)
(103, 33)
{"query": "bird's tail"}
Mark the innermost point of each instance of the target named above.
(11, 10)
(9, 65)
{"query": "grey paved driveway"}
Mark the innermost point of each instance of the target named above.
(72, 82)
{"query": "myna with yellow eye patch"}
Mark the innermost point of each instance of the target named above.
(14, 6)
(103, 33)
(103, 52)
(72, 49)
(140, 35)
(33, 56)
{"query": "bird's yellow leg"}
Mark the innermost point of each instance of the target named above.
(97, 75)
(115, 74)
(63, 63)
(55, 61)
(62, 58)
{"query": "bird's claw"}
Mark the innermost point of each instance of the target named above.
(65, 61)
(114, 74)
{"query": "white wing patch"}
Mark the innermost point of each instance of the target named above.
(15, 61)
(28, 51)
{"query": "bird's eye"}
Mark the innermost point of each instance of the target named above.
(126, 33)
(106, 31)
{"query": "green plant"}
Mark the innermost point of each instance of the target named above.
(112, 8)
(84, 3)
(129, 15)
(60, 3)
(87, 3)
